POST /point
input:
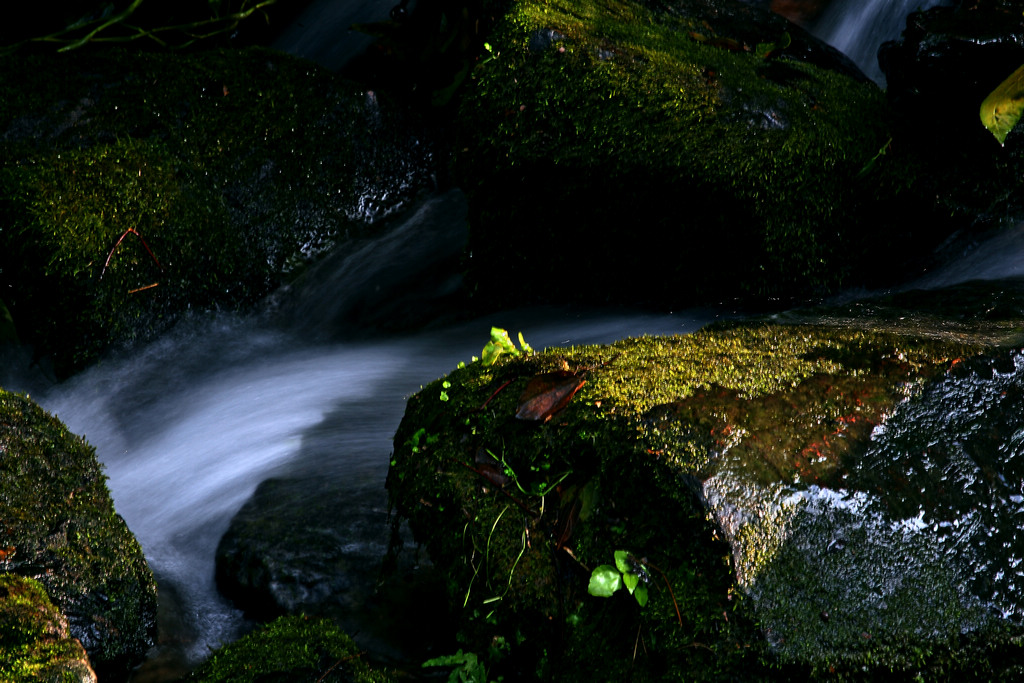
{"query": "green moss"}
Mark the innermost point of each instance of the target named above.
(59, 527)
(629, 451)
(120, 237)
(295, 649)
(34, 641)
(639, 141)
(236, 168)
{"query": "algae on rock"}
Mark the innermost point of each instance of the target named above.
(297, 649)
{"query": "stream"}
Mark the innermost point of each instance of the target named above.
(188, 426)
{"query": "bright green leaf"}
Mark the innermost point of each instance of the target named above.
(522, 343)
(641, 594)
(500, 337)
(604, 581)
(631, 580)
(489, 354)
(1003, 107)
(622, 561)
(500, 343)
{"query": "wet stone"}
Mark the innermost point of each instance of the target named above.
(919, 542)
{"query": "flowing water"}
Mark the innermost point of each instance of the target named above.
(858, 28)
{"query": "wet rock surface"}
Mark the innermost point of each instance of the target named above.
(139, 186)
(916, 547)
(695, 130)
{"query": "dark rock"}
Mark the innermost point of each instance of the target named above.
(405, 277)
(715, 146)
(314, 546)
(801, 12)
(948, 60)
(182, 182)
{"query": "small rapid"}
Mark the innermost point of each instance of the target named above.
(187, 427)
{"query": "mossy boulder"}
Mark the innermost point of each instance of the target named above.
(295, 649)
(785, 490)
(713, 146)
(58, 526)
(138, 186)
(34, 641)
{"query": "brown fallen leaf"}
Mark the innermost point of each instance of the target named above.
(548, 393)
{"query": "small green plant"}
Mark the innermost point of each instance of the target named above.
(501, 343)
(421, 439)
(628, 573)
(468, 667)
(491, 54)
(539, 489)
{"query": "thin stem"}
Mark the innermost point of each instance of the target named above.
(220, 24)
(667, 584)
(110, 22)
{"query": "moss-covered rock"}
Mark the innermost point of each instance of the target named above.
(753, 474)
(58, 526)
(713, 146)
(136, 186)
(295, 649)
(34, 641)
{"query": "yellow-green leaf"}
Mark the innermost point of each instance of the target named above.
(1003, 107)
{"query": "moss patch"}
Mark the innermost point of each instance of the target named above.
(660, 138)
(58, 526)
(34, 641)
(234, 169)
(296, 648)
